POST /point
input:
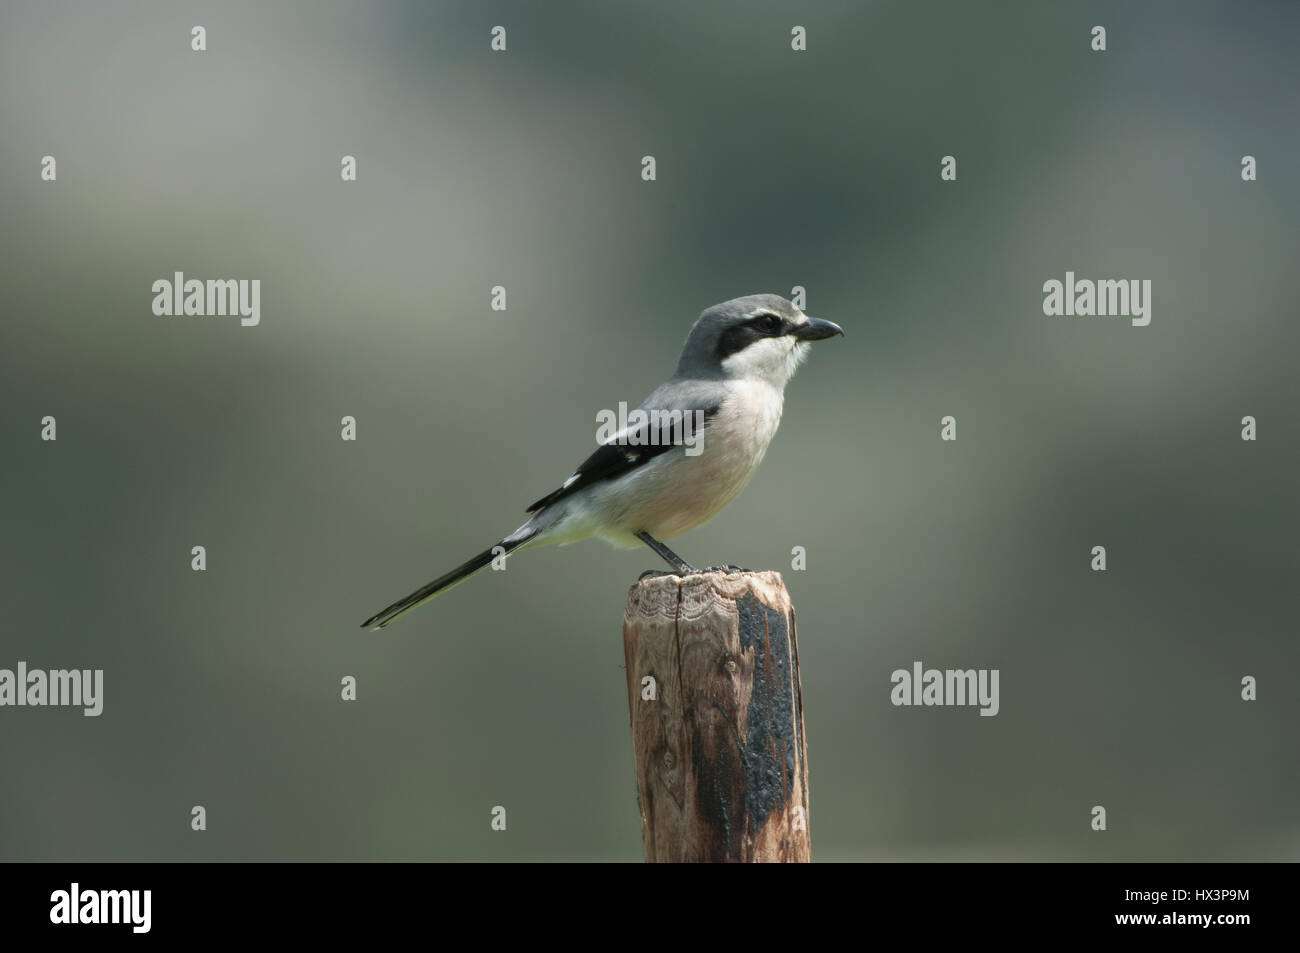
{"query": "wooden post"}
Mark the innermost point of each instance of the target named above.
(717, 718)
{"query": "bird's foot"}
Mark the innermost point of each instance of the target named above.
(727, 568)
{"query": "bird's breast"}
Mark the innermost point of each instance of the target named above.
(681, 491)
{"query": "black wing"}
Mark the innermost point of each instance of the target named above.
(617, 457)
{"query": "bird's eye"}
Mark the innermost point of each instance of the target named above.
(767, 323)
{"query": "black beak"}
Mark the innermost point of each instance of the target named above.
(816, 330)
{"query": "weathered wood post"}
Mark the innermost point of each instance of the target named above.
(717, 718)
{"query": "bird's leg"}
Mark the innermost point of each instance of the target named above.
(680, 566)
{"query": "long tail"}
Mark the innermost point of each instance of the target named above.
(460, 573)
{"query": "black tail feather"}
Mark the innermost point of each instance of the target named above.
(445, 581)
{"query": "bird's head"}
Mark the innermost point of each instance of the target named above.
(758, 337)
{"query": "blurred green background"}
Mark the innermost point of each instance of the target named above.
(522, 169)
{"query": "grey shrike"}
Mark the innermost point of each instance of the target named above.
(643, 485)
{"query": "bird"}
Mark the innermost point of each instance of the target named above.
(659, 477)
